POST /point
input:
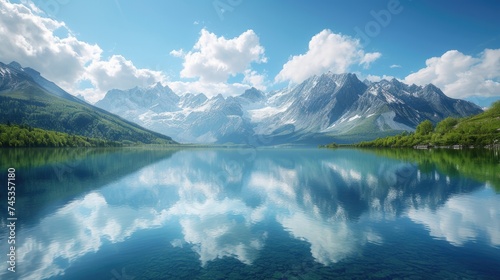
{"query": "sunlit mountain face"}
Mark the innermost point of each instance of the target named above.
(209, 208)
(312, 112)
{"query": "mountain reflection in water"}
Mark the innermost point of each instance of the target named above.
(226, 204)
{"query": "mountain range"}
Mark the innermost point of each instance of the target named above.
(324, 108)
(28, 98)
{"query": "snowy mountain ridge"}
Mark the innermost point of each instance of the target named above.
(321, 107)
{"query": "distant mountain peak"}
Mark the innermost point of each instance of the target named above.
(252, 94)
(31, 71)
(15, 65)
(431, 87)
(321, 106)
(367, 82)
(156, 97)
(160, 87)
(336, 76)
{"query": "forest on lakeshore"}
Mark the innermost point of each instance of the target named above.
(482, 130)
(27, 136)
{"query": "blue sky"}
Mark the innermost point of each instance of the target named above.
(89, 47)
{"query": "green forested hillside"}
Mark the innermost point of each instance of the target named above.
(37, 108)
(26, 136)
(479, 130)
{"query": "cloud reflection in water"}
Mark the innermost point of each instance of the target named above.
(330, 200)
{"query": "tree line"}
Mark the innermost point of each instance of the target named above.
(480, 130)
(27, 136)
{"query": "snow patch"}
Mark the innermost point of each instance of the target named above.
(373, 91)
(205, 107)
(258, 115)
(353, 118)
(390, 98)
(388, 119)
(5, 72)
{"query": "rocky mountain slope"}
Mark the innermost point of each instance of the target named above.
(321, 107)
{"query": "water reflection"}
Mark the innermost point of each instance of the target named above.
(49, 178)
(463, 218)
(223, 203)
(79, 228)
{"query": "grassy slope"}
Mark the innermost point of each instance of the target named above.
(31, 105)
(479, 130)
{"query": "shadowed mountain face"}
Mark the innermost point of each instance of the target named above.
(312, 112)
(28, 98)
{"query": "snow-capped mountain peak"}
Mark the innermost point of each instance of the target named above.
(313, 111)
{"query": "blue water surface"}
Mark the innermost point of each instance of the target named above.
(253, 214)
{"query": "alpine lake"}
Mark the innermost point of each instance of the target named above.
(265, 213)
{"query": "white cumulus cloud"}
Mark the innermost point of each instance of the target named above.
(327, 52)
(460, 75)
(30, 38)
(178, 53)
(215, 59)
(120, 73)
(376, 78)
(255, 79)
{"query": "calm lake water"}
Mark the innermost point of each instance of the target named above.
(253, 214)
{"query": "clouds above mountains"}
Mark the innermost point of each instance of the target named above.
(327, 52)
(30, 39)
(214, 59)
(460, 75)
(118, 72)
(216, 64)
